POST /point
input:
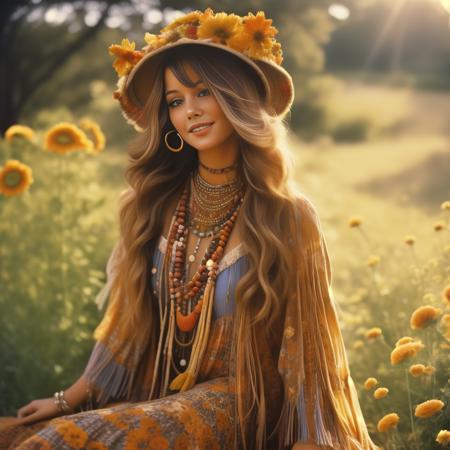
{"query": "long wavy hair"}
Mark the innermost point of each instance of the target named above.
(156, 176)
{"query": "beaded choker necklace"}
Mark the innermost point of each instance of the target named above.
(190, 302)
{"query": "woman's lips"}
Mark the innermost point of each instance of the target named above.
(203, 130)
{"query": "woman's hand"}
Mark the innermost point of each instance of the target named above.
(44, 408)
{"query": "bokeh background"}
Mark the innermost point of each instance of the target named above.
(370, 137)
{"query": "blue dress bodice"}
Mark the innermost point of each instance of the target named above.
(231, 268)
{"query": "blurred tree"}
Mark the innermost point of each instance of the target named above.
(44, 51)
(26, 66)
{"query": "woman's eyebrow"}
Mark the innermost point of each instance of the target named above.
(174, 90)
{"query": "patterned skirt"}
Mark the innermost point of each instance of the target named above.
(199, 418)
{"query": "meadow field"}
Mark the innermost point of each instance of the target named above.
(383, 200)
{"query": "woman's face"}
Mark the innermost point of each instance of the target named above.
(191, 106)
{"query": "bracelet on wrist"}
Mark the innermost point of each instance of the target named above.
(61, 403)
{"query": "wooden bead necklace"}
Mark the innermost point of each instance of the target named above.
(187, 297)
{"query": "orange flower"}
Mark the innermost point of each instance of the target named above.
(443, 437)
(439, 226)
(416, 370)
(404, 340)
(380, 392)
(191, 18)
(446, 294)
(95, 133)
(387, 422)
(410, 239)
(430, 369)
(15, 178)
(428, 408)
(260, 33)
(424, 316)
(354, 221)
(445, 325)
(66, 137)
(404, 351)
(21, 131)
(220, 27)
(126, 56)
(373, 333)
(373, 260)
(370, 383)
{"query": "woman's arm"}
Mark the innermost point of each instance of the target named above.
(46, 408)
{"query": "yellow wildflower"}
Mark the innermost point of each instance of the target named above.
(220, 27)
(445, 325)
(15, 178)
(126, 56)
(95, 133)
(416, 370)
(410, 239)
(373, 333)
(387, 422)
(380, 392)
(430, 370)
(66, 137)
(153, 41)
(191, 18)
(443, 437)
(446, 294)
(428, 408)
(423, 316)
(404, 340)
(354, 221)
(439, 225)
(373, 260)
(405, 351)
(260, 33)
(370, 383)
(21, 131)
(358, 344)
(445, 205)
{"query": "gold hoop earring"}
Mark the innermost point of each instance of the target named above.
(173, 149)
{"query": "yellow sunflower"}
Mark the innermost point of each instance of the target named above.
(126, 56)
(21, 131)
(260, 33)
(220, 27)
(66, 137)
(191, 18)
(95, 134)
(15, 178)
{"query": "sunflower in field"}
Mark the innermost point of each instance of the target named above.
(20, 131)
(95, 134)
(66, 137)
(126, 56)
(15, 178)
(220, 27)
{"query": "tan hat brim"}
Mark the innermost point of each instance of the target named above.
(276, 81)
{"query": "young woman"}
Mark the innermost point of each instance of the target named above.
(221, 329)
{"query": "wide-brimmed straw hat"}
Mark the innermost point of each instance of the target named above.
(250, 39)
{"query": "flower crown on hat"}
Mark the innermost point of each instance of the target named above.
(251, 35)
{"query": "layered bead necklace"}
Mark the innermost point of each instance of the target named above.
(206, 210)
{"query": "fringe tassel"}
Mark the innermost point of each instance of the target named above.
(186, 380)
(110, 379)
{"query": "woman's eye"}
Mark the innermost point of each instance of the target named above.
(173, 104)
